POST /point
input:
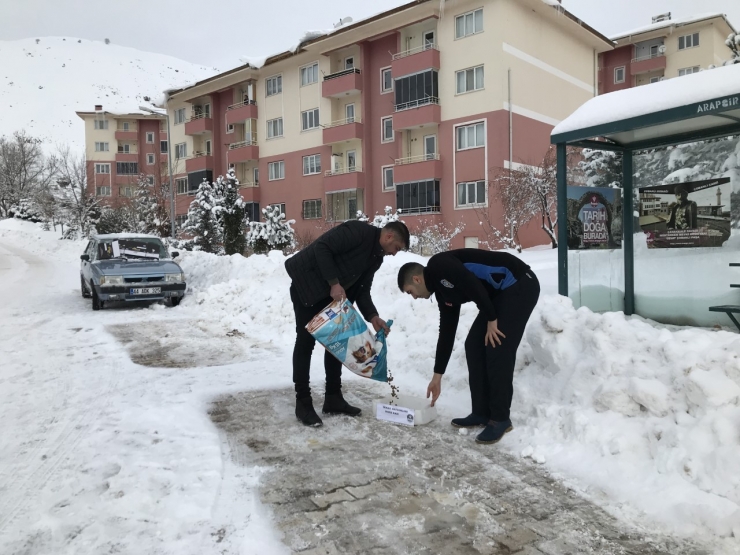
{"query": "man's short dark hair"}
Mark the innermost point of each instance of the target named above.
(407, 271)
(400, 230)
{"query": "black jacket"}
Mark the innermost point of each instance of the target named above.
(464, 275)
(348, 254)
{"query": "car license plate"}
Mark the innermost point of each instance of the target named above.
(146, 291)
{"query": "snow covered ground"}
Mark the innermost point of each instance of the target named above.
(100, 454)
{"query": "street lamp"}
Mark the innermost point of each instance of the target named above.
(169, 164)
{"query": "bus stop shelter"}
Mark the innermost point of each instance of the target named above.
(688, 109)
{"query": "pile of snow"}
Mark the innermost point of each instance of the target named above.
(43, 83)
(33, 238)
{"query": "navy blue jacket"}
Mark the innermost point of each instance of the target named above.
(467, 275)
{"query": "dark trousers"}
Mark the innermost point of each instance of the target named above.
(304, 344)
(491, 370)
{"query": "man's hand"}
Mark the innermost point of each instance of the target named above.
(379, 323)
(337, 292)
(493, 334)
(435, 388)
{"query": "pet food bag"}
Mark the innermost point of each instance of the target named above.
(343, 332)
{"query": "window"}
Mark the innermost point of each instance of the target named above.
(102, 191)
(126, 126)
(163, 147)
(256, 176)
(150, 138)
(126, 191)
(469, 79)
(280, 205)
(655, 79)
(276, 170)
(429, 41)
(101, 124)
(387, 178)
(349, 62)
(343, 206)
(150, 159)
(124, 149)
(688, 41)
(274, 85)
(181, 220)
(149, 180)
(471, 193)
(386, 130)
(309, 74)
(349, 113)
(179, 115)
(309, 119)
(229, 127)
(102, 168)
(619, 74)
(252, 210)
(469, 23)
(471, 136)
(416, 90)
(127, 168)
(654, 51)
(209, 151)
(311, 209)
(275, 128)
(101, 147)
(181, 150)
(418, 197)
(312, 164)
(182, 185)
(688, 71)
(386, 80)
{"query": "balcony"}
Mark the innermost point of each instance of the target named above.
(249, 191)
(127, 135)
(126, 179)
(342, 130)
(199, 124)
(417, 168)
(237, 113)
(342, 83)
(417, 113)
(127, 157)
(649, 63)
(415, 60)
(341, 179)
(199, 161)
(243, 151)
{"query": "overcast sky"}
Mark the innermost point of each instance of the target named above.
(218, 33)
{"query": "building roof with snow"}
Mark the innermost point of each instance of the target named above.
(667, 26)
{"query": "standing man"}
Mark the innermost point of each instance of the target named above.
(339, 264)
(506, 291)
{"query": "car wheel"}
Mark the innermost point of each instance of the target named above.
(97, 304)
(83, 289)
(174, 301)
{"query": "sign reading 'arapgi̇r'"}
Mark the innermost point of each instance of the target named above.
(717, 104)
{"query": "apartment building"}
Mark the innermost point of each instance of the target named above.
(411, 109)
(120, 148)
(665, 49)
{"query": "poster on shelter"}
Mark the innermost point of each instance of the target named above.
(691, 214)
(594, 218)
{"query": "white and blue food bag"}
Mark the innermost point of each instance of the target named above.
(342, 331)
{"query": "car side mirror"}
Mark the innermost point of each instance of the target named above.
(84, 257)
(175, 254)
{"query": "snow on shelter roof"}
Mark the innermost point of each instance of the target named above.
(684, 107)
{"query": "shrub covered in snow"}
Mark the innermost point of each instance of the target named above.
(203, 220)
(274, 233)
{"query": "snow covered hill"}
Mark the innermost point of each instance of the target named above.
(44, 81)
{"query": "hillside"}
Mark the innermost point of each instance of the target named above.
(44, 81)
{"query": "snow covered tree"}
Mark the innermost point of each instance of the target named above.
(514, 197)
(147, 211)
(114, 220)
(600, 168)
(380, 220)
(80, 209)
(432, 238)
(274, 233)
(233, 214)
(24, 170)
(733, 43)
(202, 223)
(26, 209)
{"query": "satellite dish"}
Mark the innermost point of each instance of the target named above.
(346, 20)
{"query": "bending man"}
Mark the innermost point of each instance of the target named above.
(339, 264)
(506, 291)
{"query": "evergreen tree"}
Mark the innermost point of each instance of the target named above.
(601, 168)
(202, 223)
(733, 43)
(233, 214)
(274, 233)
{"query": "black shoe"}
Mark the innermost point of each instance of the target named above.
(493, 433)
(470, 421)
(305, 412)
(334, 403)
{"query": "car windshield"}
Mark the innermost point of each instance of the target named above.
(139, 248)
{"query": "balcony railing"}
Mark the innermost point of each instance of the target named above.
(241, 104)
(250, 184)
(417, 103)
(341, 73)
(199, 154)
(199, 116)
(415, 159)
(413, 51)
(248, 142)
(342, 171)
(341, 122)
(129, 151)
(131, 128)
(648, 57)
